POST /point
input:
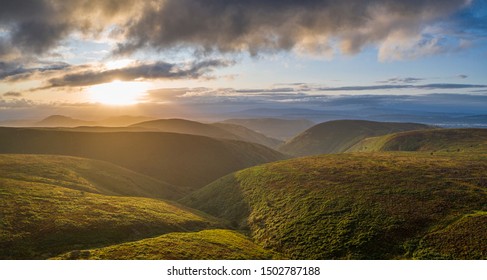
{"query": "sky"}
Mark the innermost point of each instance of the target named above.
(89, 57)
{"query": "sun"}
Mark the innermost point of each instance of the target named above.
(118, 93)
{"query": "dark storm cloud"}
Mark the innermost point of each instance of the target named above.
(14, 71)
(267, 25)
(35, 27)
(157, 70)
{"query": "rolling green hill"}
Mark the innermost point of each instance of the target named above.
(437, 140)
(281, 129)
(358, 206)
(43, 216)
(207, 244)
(338, 136)
(249, 135)
(187, 127)
(178, 159)
(84, 175)
(215, 130)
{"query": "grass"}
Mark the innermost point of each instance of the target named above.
(203, 245)
(338, 136)
(83, 175)
(187, 161)
(353, 206)
(438, 140)
(42, 216)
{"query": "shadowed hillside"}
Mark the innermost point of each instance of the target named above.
(84, 175)
(215, 130)
(249, 135)
(276, 128)
(438, 140)
(182, 160)
(202, 245)
(357, 206)
(338, 136)
(43, 217)
(187, 127)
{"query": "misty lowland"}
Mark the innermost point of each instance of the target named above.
(182, 189)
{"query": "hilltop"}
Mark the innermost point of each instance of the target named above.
(358, 206)
(214, 244)
(187, 127)
(281, 129)
(214, 130)
(178, 159)
(437, 140)
(338, 136)
(43, 216)
(62, 121)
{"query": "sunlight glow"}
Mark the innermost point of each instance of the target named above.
(118, 93)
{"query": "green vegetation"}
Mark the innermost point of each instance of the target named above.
(338, 136)
(178, 159)
(203, 245)
(249, 135)
(356, 206)
(83, 175)
(437, 140)
(42, 218)
(276, 128)
(187, 127)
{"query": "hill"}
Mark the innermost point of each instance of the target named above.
(249, 135)
(43, 217)
(178, 159)
(62, 121)
(215, 130)
(338, 136)
(187, 127)
(281, 129)
(437, 140)
(83, 175)
(207, 244)
(358, 206)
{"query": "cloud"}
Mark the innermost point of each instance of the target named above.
(37, 26)
(400, 29)
(15, 103)
(12, 94)
(273, 25)
(407, 80)
(138, 71)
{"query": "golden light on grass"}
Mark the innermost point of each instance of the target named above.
(118, 93)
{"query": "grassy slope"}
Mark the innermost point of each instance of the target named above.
(338, 136)
(187, 127)
(438, 140)
(276, 128)
(83, 175)
(359, 206)
(249, 135)
(207, 244)
(41, 220)
(182, 160)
